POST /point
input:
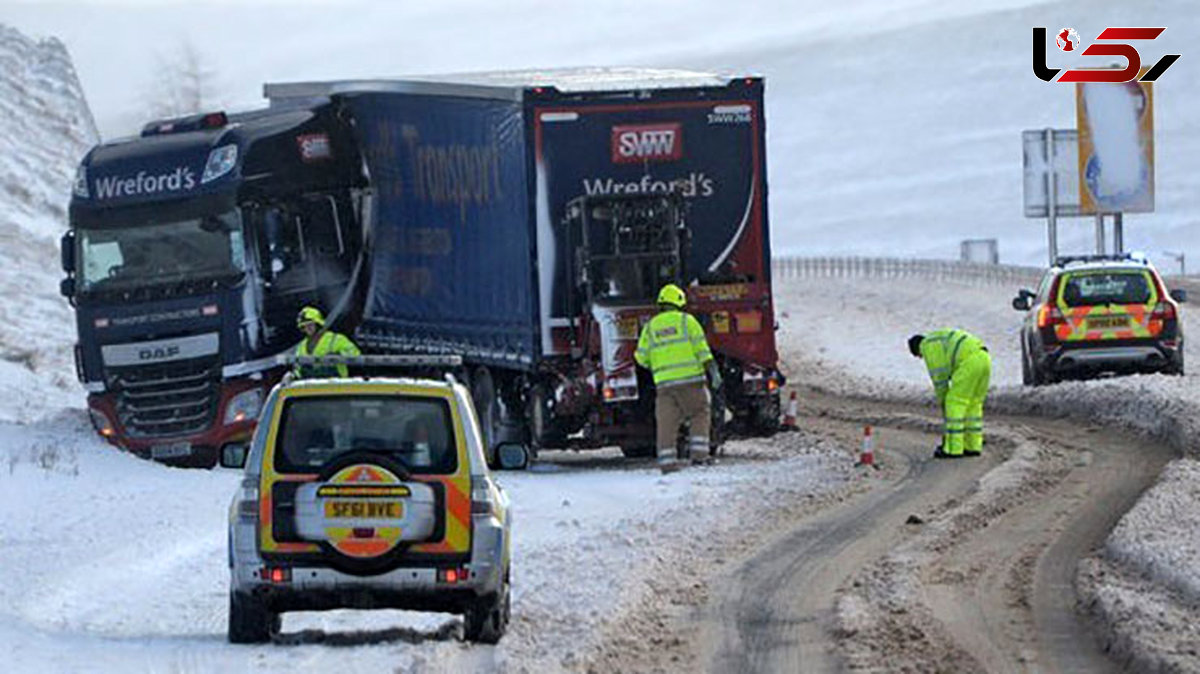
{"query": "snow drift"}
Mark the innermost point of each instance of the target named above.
(47, 129)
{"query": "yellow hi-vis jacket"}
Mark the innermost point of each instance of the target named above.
(329, 343)
(672, 346)
(943, 351)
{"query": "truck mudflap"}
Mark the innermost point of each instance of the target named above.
(196, 450)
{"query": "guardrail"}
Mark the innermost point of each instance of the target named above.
(898, 268)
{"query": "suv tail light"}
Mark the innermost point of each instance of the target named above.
(248, 500)
(481, 497)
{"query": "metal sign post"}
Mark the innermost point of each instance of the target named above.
(1051, 181)
(1051, 199)
(1100, 236)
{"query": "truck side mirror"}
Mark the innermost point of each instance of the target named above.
(233, 456)
(1021, 302)
(67, 244)
(67, 287)
(512, 456)
(1179, 295)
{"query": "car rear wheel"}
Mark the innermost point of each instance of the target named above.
(250, 620)
(486, 619)
(1026, 368)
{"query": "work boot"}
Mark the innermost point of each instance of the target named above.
(972, 452)
(704, 461)
(939, 454)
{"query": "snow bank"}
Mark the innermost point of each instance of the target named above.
(47, 129)
(1160, 536)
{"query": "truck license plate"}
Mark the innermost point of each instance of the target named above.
(1106, 322)
(171, 451)
(364, 509)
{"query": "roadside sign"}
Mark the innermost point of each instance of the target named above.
(1038, 160)
(1116, 147)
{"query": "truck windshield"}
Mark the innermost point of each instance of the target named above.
(205, 248)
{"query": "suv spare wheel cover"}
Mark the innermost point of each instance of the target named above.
(363, 500)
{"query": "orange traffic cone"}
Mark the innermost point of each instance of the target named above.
(867, 456)
(789, 418)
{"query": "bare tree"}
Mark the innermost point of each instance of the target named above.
(183, 84)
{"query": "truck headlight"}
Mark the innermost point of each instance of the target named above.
(243, 406)
(220, 161)
(100, 422)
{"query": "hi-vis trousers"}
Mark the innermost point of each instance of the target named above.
(964, 404)
(682, 403)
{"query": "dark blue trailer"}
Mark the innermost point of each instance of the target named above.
(484, 241)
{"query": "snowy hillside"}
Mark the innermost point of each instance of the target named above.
(47, 129)
(893, 125)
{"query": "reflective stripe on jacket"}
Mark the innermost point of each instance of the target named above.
(943, 351)
(329, 343)
(672, 346)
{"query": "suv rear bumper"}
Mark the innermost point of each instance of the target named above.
(1127, 357)
(316, 586)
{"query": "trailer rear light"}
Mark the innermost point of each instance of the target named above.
(214, 120)
(772, 384)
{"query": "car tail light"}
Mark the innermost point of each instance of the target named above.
(1164, 311)
(1049, 316)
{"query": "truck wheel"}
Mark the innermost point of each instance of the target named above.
(717, 430)
(250, 621)
(638, 451)
(485, 619)
(766, 416)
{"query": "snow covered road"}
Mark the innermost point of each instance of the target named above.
(1143, 583)
(110, 563)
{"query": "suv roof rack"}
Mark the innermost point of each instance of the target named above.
(1064, 260)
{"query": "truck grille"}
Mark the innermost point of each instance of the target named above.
(170, 399)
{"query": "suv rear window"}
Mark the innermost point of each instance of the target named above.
(415, 431)
(1114, 287)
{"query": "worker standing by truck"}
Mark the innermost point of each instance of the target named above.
(318, 341)
(960, 367)
(673, 347)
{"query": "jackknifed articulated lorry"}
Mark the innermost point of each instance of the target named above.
(523, 221)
